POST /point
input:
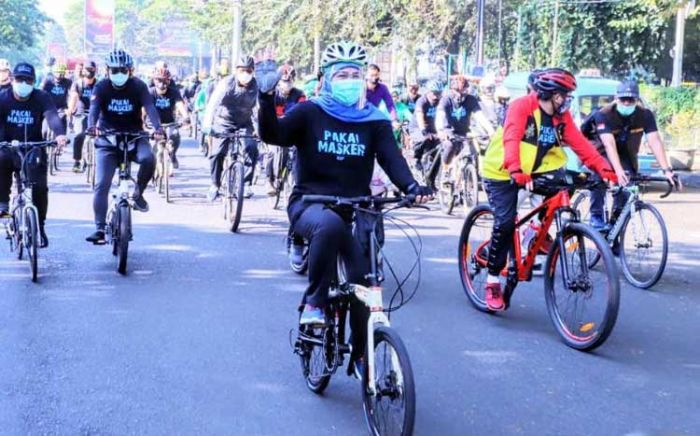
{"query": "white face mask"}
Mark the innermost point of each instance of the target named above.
(22, 89)
(119, 79)
(244, 78)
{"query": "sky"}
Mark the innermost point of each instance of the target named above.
(54, 8)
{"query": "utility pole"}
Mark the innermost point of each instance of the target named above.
(681, 15)
(555, 34)
(236, 36)
(480, 32)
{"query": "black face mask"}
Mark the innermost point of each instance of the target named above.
(374, 81)
(161, 86)
(89, 74)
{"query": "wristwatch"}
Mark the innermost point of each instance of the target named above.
(668, 170)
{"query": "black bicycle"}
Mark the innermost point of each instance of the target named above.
(233, 176)
(283, 175)
(55, 152)
(637, 232)
(163, 150)
(22, 227)
(388, 390)
(119, 231)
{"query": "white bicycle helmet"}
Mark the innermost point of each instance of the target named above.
(344, 52)
(5, 65)
(119, 58)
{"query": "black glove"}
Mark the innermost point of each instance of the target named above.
(266, 75)
(420, 191)
(91, 131)
(159, 132)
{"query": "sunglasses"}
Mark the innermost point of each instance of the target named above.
(118, 70)
(27, 80)
(628, 100)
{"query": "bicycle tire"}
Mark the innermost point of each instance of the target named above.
(166, 175)
(470, 194)
(235, 199)
(316, 383)
(31, 241)
(17, 236)
(384, 334)
(124, 237)
(160, 172)
(636, 281)
(467, 271)
(596, 332)
(51, 157)
(446, 196)
(93, 163)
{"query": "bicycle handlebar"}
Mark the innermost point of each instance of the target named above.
(355, 201)
(235, 134)
(646, 179)
(28, 144)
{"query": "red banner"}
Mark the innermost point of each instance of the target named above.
(99, 26)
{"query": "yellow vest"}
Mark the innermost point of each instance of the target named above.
(492, 163)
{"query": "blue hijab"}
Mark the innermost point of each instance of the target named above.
(349, 114)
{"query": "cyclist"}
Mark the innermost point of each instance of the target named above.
(412, 97)
(58, 86)
(22, 113)
(168, 102)
(230, 108)
(116, 103)
(378, 93)
(454, 113)
(78, 72)
(502, 96)
(487, 101)
(79, 103)
(618, 129)
(530, 144)
(286, 98)
(422, 126)
(338, 136)
(5, 75)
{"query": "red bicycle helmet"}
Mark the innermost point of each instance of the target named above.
(553, 80)
(161, 73)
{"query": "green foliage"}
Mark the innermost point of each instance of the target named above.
(21, 24)
(677, 113)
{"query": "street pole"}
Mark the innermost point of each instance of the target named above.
(480, 32)
(555, 34)
(681, 15)
(236, 37)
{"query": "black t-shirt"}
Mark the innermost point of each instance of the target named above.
(547, 137)
(427, 110)
(628, 131)
(16, 116)
(411, 102)
(458, 113)
(5, 87)
(165, 104)
(84, 92)
(120, 109)
(334, 157)
(58, 89)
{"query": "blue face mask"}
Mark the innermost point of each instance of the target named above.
(347, 92)
(22, 89)
(625, 111)
(119, 79)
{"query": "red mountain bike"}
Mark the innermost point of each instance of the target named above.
(582, 301)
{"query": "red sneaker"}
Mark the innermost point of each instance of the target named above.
(494, 297)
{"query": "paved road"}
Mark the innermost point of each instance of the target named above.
(195, 339)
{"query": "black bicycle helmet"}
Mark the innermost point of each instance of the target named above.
(246, 62)
(434, 85)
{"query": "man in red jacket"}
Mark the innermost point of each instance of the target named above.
(530, 145)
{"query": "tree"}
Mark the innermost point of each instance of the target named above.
(21, 23)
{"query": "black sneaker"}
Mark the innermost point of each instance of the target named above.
(97, 238)
(77, 167)
(174, 161)
(43, 239)
(140, 204)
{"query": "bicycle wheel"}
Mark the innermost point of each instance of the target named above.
(391, 410)
(584, 310)
(644, 246)
(470, 188)
(124, 237)
(52, 153)
(234, 197)
(31, 240)
(446, 192)
(166, 175)
(313, 355)
(472, 255)
(17, 235)
(160, 172)
(582, 204)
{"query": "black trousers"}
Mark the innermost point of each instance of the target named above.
(37, 173)
(330, 236)
(218, 154)
(79, 126)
